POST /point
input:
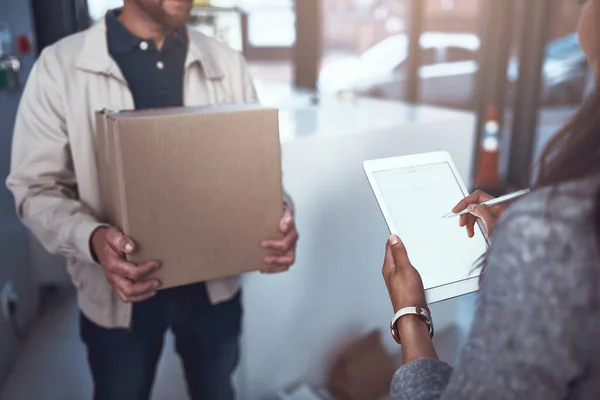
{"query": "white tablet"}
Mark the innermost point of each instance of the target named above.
(414, 193)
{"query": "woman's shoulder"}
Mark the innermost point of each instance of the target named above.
(552, 232)
(569, 205)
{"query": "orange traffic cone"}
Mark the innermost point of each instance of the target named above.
(487, 176)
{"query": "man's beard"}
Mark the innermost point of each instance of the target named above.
(156, 11)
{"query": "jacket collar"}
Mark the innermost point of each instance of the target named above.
(199, 51)
(94, 56)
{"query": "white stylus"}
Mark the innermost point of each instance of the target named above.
(498, 200)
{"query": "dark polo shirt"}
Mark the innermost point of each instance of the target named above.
(155, 77)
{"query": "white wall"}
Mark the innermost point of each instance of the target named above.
(294, 322)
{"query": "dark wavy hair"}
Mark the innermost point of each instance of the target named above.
(573, 153)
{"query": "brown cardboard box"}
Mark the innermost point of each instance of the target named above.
(196, 188)
(363, 370)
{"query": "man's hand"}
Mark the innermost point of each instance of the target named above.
(285, 249)
(110, 246)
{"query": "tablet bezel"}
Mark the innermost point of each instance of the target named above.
(437, 293)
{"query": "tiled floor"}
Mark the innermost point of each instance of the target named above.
(53, 364)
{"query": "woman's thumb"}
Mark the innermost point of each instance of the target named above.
(398, 251)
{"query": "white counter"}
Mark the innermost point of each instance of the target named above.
(295, 321)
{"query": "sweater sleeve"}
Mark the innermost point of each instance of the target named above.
(531, 335)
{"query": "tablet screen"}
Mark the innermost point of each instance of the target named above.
(417, 198)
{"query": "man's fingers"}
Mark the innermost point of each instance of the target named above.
(136, 299)
(281, 245)
(129, 291)
(121, 295)
(276, 270)
(142, 298)
(287, 222)
(131, 271)
(122, 286)
(463, 219)
(145, 269)
(143, 288)
(286, 259)
(120, 267)
(119, 241)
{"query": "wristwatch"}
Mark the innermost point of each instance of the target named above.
(420, 311)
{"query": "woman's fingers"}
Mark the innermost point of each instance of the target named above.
(470, 224)
(485, 214)
(471, 202)
(476, 197)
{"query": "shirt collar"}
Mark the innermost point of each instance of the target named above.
(94, 55)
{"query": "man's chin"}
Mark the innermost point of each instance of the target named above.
(170, 24)
(175, 22)
(178, 12)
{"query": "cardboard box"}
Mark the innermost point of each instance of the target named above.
(196, 188)
(363, 370)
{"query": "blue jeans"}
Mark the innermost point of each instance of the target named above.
(123, 361)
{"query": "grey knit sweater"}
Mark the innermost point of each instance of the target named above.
(536, 333)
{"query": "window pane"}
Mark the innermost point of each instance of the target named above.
(99, 7)
(455, 53)
(272, 28)
(565, 75)
(452, 29)
(365, 47)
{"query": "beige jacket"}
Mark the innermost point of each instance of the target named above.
(53, 173)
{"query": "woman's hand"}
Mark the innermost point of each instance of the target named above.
(489, 215)
(403, 281)
(406, 289)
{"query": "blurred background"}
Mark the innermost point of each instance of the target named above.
(489, 81)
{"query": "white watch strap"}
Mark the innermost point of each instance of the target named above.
(416, 310)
